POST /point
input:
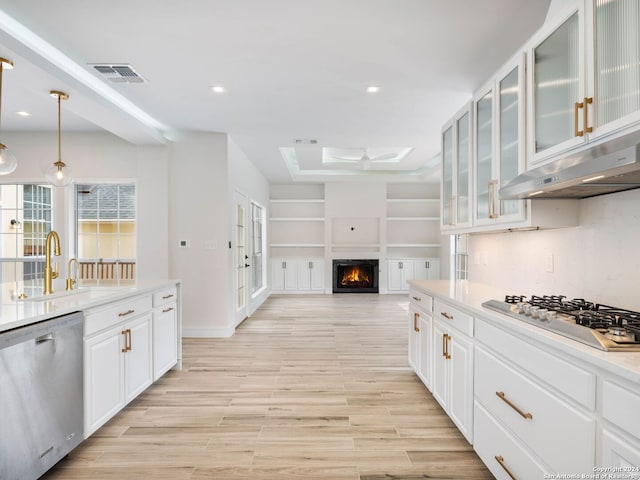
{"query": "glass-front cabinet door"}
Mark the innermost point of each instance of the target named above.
(456, 171)
(557, 78)
(447, 177)
(614, 64)
(499, 148)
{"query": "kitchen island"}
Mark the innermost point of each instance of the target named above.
(532, 402)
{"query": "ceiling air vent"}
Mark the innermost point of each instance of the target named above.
(118, 73)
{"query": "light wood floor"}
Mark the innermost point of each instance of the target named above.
(310, 387)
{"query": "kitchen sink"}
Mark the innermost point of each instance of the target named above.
(82, 292)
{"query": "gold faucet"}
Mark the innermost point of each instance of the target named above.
(72, 281)
(50, 273)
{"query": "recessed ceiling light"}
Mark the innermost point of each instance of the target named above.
(373, 89)
(23, 114)
(218, 89)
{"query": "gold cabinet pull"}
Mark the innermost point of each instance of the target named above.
(126, 344)
(129, 336)
(523, 414)
(500, 461)
(124, 314)
(493, 210)
(448, 355)
(585, 114)
(445, 346)
(167, 310)
(417, 299)
(577, 106)
(167, 296)
(446, 315)
(415, 322)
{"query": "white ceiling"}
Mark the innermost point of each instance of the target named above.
(293, 69)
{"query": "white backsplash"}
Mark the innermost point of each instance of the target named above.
(599, 260)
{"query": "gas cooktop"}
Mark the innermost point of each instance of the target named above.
(607, 328)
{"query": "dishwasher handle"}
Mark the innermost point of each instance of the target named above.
(48, 337)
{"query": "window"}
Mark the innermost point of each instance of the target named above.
(257, 281)
(25, 219)
(106, 231)
(461, 257)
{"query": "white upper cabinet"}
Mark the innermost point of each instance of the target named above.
(456, 171)
(584, 72)
(499, 147)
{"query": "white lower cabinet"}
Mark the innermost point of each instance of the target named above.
(292, 275)
(165, 331)
(118, 367)
(453, 372)
(620, 452)
(420, 345)
(500, 451)
(400, 271)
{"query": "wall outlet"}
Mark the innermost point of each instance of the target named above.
(548, 262)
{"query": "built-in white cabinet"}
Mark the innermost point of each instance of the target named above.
(583, 77)
(165, 331)
(297, 275)
(456, 171)
(400, 271)
(453, 365)
(118, 358)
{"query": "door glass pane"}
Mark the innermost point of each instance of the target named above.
(484, 153)
(556, 82)
(447, 174)
(509, 116)
(462, 194)
(617, 59)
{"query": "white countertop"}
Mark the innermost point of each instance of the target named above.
(36, 307)
(470, 296)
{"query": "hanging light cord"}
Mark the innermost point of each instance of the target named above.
(59, 141)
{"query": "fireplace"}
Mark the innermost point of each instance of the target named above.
(355, 276)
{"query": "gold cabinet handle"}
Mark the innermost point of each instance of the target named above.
(585, 114)
(523, 414)
(124, 314)
(126, 343)
(415, 322)
(576, 107)
(417, 299)
(129, 336)
(167, 296)
(500, 461)
(492, 199)
(167, 310)
(445, 346)
(446, 315)
(448, 355)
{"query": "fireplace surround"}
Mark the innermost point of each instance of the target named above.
(355, 275)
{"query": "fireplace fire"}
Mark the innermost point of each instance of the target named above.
(355, 276)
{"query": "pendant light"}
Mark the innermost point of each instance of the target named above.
(59, 174)
(8, 162)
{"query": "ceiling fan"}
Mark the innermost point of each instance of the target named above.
(365, 158)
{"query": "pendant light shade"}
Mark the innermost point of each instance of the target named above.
(59, 174)
(8, 162)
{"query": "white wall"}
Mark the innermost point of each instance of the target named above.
(199, 213)
(245, 178)
(598, 260)
(98, 156)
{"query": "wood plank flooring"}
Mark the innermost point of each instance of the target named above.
(310, 387)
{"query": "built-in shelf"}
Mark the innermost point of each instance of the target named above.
(413, 200)
(296, 245)
(355, 245)
(413, 219)
(297, 200)
(413, 245)
(297, 219)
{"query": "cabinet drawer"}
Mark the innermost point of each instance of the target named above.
(167, 295)
(500, 451)
(452, 316)
(541, 421)
(576, 383)
(620, 407)
(114, 313)
(421, 300)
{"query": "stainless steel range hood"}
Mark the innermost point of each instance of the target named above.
(606, 168)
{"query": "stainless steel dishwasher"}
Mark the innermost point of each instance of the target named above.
(41, 395)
